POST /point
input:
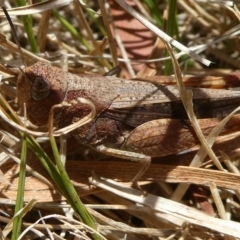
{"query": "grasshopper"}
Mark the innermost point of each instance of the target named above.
(134, 120)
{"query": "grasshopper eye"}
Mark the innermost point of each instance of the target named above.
(40, 88)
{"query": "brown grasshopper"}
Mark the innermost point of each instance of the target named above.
(134, 120)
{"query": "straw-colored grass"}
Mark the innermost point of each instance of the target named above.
(193, 195)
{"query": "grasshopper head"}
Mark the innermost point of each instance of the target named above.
(40, 87)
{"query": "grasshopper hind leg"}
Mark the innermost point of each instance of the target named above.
(132, 156)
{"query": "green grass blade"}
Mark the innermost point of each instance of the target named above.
(69, 27)
(17, 222)
(27, 22)
(78, 206)
(93, 17)
(155, 12)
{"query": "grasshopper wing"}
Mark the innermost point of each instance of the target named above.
(164, 137)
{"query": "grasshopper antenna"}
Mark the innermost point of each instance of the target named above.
(115, 70)
(14, 35)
